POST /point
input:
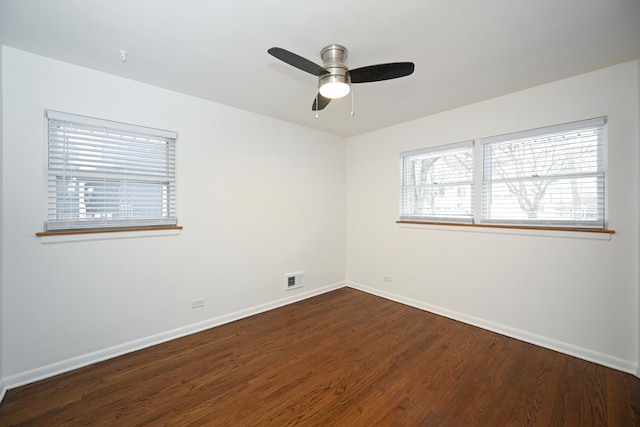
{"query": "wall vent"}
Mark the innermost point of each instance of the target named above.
(293, 280)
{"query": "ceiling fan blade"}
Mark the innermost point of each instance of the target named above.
(321, 102)
(376, 73)
(297, 61)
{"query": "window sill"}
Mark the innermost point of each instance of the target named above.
(589, 233)
(103, 234)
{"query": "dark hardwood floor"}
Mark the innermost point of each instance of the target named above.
(344, 358)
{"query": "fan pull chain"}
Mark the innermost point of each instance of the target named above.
(352, 108)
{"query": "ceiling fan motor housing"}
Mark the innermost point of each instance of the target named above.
(333, 57)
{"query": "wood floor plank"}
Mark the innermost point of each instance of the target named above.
(341, 358)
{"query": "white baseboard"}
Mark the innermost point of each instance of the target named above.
(579, 352)
(51, 370)
(3, 389)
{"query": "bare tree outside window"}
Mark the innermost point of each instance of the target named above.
(521, 161)
(423, 196)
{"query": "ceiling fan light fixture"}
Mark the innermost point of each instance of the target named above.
(334, 86)
(334, 77)
(334, 90)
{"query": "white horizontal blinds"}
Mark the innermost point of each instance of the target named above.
(104, 174)
(437, 184)
(548, 177)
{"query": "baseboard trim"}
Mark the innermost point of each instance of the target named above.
(63, 366)
(3, 389)
(541, 341)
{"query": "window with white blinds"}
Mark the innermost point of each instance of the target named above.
(553, 176)
(437, 184)
(104, 174)
(549, 177)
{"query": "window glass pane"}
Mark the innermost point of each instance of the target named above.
(90, 199)
(571, 200)
(437, 185)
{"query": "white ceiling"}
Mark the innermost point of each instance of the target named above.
(464, 50)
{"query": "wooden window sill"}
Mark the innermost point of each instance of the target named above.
(510, 227)
(105, 230)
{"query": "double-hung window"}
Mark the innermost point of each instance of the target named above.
(106, 175)
(548, 177)
(437, 184)
(553, 176)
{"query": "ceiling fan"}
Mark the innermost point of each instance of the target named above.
(334, 77)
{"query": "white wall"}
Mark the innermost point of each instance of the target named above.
(2, 383)
(258, 198)
(567, 291)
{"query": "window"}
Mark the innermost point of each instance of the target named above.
(437, 184)
(549, 177)
(104, 174)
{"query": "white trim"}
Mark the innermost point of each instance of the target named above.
(3, 389)
(551, 344)
(543, 131)
(77, 362)
(441, 149)
(92, 121)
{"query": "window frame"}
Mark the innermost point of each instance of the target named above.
(161, 179)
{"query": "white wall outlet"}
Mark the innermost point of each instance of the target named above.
(197, 303)
(386, 278)
(293, 280)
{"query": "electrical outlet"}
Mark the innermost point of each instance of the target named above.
(387, 278)
(197, 303)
